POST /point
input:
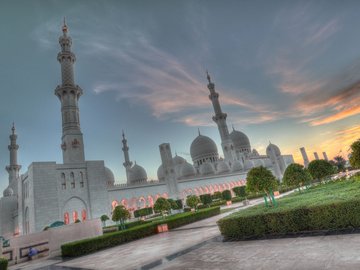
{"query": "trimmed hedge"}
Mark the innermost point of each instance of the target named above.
(240, 191)
(237, 199)
(329, 217)
(86, 246)
(143, 212)
(226, 195)
(218, 203)
(3, 264)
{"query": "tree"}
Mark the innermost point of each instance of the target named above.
(260, 179)
(121, 214)
(173, 204)
(205, 199)
(226, 195)
(320, 169)
(103, 219)
(192, 201)
(240, 191)
(296, 175)
(340, 163)
(355, 154)
(161, 205)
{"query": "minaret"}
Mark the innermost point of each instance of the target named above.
(69, 93)
(325, 156)
(316, 155)
(169, 170)
(14, 168)
(127, 164)
(305, 157)
(220, 119)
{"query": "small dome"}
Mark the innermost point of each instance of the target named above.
(160, 173)
(187, 170)
(178, 163)
(248, 164)
(241, 141)
(255, 153)
(137, 174)
(109, 176)
(236, 166)
(206, 169)
(8, 192)
(222, 167)
(203, 147)
(273, 149)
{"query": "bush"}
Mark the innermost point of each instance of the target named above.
(143, 212)
(216, 196)
(203, 206)
(173, 204)
(77, 221)
(205, 199)
(226, 195)
(3, 264)
(187, 209)
(86, 246)
(331, 216)
(133, 224)
(237, 199)
(179, 203)
(218, 203)
(240, 191)
(192, 201)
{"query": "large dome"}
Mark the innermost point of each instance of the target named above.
(273, 149)
(206, 169)
(109, 176)
(241, 141)
(137, 174)
(203, 148)
(187, 170)
(8, 192)
(178, 164)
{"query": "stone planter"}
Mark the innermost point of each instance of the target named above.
(228, 203)
(276, 193)
(162, 228)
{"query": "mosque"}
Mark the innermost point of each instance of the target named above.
(81, 189)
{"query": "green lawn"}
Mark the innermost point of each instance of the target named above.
(331, 192)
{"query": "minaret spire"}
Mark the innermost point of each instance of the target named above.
(220, 119)
(127, 164)
(13, 168)
(69, 93)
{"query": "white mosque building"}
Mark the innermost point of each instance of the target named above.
(81, 189)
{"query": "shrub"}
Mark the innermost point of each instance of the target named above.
(187, 209)
(121, 214)
(162, 205)
(216, 195)
(143, 212)
(192, 201)
(203, 206)
(331, 216)
(237, 199)
(226, 195)
(179, 203)
(133, 224)
(3, 263)
(103, 219)
(205, 199)
(240, 191)
(218, 203)
(86, 246)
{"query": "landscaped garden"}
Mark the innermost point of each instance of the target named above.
(334, 205)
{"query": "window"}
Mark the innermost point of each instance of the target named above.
(63, 181)
(81, 179)
(72, 179)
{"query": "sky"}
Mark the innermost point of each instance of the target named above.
(286, 71)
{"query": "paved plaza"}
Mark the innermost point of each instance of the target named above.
(199, 246)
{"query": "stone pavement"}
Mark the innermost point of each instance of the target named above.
(303, 253)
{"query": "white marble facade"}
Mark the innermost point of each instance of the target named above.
(80, 189)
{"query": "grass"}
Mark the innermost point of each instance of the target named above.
(332, 192)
